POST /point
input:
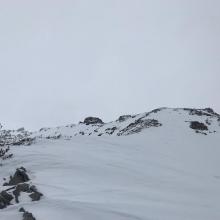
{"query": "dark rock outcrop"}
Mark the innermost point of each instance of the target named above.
(110, 130)
(5, 199)
(92, 120)
(20, 176)
(21, 209)
(202, 112)
(18, 183)
(36, 196)
(139, 125)
(26, 215)
(24, 187)
(123, 118)
(198, 126)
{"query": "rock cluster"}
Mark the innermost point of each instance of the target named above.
(201, 112)
(19, 183)
(20, 176)
(110, 131)
(12, 137)
(139, 125)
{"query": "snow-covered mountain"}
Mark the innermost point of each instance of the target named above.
(166, 118)
(159, 165)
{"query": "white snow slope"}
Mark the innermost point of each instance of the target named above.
(168, 172)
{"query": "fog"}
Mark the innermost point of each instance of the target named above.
(61, 61)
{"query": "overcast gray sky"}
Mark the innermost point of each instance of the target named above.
(61, 61)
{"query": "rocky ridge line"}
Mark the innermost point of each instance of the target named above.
(131, 124)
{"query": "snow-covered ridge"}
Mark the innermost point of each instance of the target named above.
(163, 164)
(204, 121)
(201, 121)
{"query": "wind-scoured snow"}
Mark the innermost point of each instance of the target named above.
(164, 172)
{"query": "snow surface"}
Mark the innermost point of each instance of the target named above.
(162, 173)
(170, 118)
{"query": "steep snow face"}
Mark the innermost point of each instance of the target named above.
(167, 171)
(168, 118)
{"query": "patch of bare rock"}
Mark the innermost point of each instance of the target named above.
(19, 183)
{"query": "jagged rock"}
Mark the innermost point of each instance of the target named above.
(21, 209)
(123, 118)
(3, 202)
(138, 126)
(28, 216)
(5, 199)
(18, 182)
(16, 193)
(24, 187)
(211, 111)
(7, 196)
(33, 188)
(36, 196)
(198, 126)
(110, 130)
(201, 112)
(92, 120)
(20, 176)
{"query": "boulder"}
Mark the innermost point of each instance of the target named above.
(28, 216)
(21, 209)
(20, 176)
(35, 196)
(198, 126)
(5, 199)
(123, 118)
(92, 120)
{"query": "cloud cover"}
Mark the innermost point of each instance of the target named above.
(61, 61)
